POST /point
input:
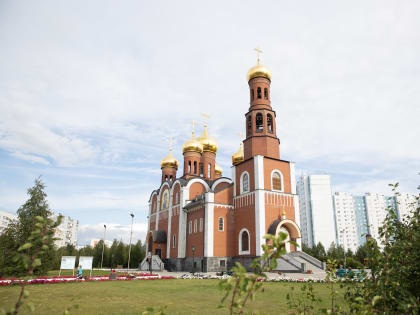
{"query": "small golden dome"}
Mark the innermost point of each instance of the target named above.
(258, 71)
(218, 170)
(169, 161)
(192, 145)
(238, 157)
(209, 143)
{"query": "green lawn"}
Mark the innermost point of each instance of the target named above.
(133, 297)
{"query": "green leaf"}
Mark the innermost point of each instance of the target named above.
(25, 246)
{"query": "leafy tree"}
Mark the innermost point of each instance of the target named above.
(16, 233)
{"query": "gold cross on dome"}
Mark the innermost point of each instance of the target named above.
(205, 117)
(193, 125)
(259, 51)
(171, 141)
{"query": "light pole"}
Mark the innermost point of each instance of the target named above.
(131, 235)
(193, 251)
(103, 246)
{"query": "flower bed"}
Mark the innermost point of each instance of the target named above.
(57, 279)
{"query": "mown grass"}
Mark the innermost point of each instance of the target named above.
(132, 297)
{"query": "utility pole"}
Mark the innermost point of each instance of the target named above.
(103, 247)
(131, 235)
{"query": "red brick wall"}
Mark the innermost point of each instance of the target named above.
(283, 167)
(174, 231)
(196, 239)
(224, 196)
(223, 240)
(245, 166)
(196, 189)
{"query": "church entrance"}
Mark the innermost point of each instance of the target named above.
(158, 252)
(286, 226)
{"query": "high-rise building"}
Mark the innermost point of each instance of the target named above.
(376, 208)
(316, 210)
(66, 232)
(361, 219)
(405, 203)
(5, 218)
(345, 221)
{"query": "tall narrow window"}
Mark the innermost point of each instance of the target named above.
(252, 94)
(195, 226)
(209, 171)
(201, 224)
(269, 123)
(249, 122)
(259, 92)
(195, 167)
(189, 166)
(266, 93)
(190, 227)
(201, 170)
(245, 183)
(259, 122)
(245, 241)
(276, 180)
(170, 178)
(174, 241)
(221, 224)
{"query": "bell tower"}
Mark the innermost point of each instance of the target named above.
(260, 120)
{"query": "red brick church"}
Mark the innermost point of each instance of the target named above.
(220, 220)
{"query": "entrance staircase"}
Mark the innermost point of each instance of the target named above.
(157, 264)
(299, 262)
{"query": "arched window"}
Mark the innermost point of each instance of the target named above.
(276, 181)
(195, 167)
(221, 224)
(269, 123)
(189, 166)
(209, 171)
(266, 93)
(170, 178)
(165, 200)
(201, 170)
(258, 92)
(249, 122)
(259, 122)
(252, 94)
(244, 182)
(244, 242)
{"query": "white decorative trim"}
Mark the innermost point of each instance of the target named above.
(281, 180)
(292, 178)
(220, 180)
(182, 223)
(259, 171)
(209, 225)
(233, 168)
(246, 252)
(259, 204)
(198, 180)
(168, 245)
(177, 182)
(241, 183)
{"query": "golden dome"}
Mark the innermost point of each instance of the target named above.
(209, 143)
(218, 170)
(238, 157)
(192, 145)
(169, 161)
(258, 71)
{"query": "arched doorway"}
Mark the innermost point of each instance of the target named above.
(286, 226)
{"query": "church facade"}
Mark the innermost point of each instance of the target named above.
(204, 219)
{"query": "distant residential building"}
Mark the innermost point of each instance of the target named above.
(316, 210)
(361, 219)
(66, 232)
(405, 204)
(95, 241)
(376, 208)
(5, 218)
(345, 221)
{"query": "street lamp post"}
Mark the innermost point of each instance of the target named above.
(193, 251)
(131, 235)
(103, 247)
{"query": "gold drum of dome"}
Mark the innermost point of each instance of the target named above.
(192, 145)
(209, 143)
(258, 71)
(169, 161)
(238, 157)
(218, 170)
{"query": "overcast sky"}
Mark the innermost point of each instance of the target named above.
(91, 91)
